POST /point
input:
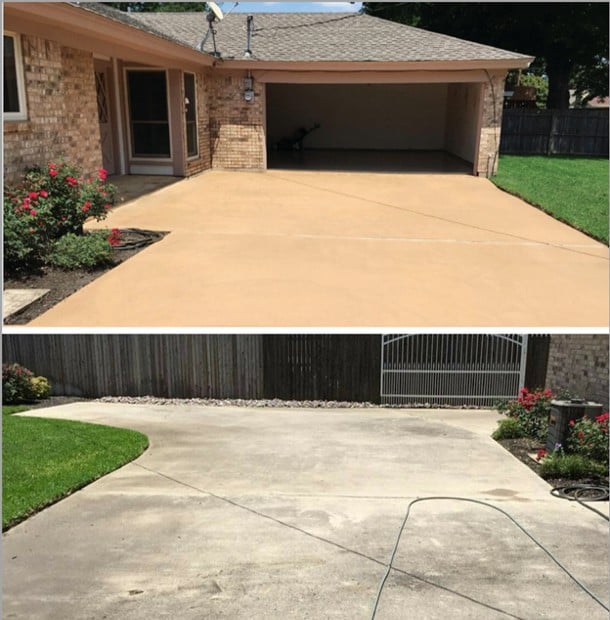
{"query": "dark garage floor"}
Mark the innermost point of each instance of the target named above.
(369, 161)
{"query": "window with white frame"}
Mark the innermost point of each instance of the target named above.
(14, 85)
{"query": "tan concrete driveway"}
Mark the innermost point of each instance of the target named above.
(291, 248)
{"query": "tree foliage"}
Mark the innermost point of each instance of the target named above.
(569, 40)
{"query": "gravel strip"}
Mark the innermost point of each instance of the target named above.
(234, 402)
(262, 403)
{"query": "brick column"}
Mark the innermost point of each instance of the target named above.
(491, 125)
(578, 363)
(237, 132)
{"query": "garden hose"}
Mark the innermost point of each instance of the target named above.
(574, 492)
(147, 237)
(389, 566)
(486, 504)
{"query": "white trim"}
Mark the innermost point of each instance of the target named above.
(119, 116)
(22, 115)
(133, 157)
(198, 154)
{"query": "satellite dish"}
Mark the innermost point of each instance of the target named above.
(213, 14)
(215, 9)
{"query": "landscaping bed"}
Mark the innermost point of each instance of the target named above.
(522, 448)
(62, 283)
(581, 458)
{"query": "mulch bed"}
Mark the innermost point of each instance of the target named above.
(522, 448)
(62, 283)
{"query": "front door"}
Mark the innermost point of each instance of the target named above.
(102, 87)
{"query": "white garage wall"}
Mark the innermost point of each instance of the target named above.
(462, 120)
(360, 116)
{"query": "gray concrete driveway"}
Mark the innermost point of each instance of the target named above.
(291, 248)
(243, 513)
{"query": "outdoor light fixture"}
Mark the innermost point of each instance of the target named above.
(248, 89)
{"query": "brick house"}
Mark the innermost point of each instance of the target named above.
(147, 93)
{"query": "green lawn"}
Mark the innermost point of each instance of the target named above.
(574, 190)
(10, 409)
(44, 460)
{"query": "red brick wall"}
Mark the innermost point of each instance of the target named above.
(62, 110)
(236, 127)
(578, 363)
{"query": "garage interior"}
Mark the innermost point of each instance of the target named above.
(373, 127)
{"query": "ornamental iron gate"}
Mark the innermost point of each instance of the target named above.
(452, 369)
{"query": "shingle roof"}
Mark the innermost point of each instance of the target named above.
(313, 37)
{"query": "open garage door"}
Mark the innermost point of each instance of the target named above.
(385, 127)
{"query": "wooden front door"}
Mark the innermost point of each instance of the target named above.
(104, 113)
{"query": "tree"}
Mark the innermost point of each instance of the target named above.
(157, 7)
(569, 40)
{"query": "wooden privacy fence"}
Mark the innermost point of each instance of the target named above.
(172, 366)
(554, 132)
(291, 367)
(322, 367)
(325, 367)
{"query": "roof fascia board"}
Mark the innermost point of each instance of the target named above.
(445, 65)
(372, 77)
(64, 23)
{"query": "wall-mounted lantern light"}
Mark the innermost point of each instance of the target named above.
(248, 89)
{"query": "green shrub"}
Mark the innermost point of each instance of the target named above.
(80, 251)
(508, 429)
(65, 199)
(589, 438)
(23, 246)
(16, 384)
(571, 466)
(40, 388)
(49, 203)
(532, 410)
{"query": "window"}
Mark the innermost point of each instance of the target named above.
(148, 113)
(14, 89)
(190, 114)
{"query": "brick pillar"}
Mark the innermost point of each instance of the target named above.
(491, 125)
(237, 132)
(578, 363)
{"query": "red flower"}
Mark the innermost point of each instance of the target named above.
(571, 422)
(33, 195)
(33, 212)
(71, 181)
(102, 174)
(43, 193)
(115, 237)
(581, 435)
(540, 454)
(86, 207)
(53, 172)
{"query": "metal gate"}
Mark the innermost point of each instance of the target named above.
(452, 369)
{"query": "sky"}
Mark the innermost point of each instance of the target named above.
(300, 7)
